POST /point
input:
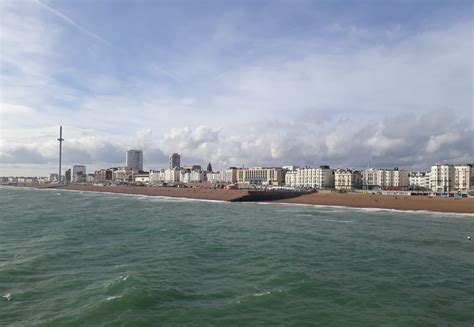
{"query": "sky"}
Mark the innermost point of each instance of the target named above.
(237, 83)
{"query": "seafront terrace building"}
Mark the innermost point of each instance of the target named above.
(374, 178)
(187, 175)
(419, 180)
(214, 177)
(322, 177)
(122, 174)
(141, 178)
(464, 178)
(172, 175)
(103, 175)
(442, 178)
(347, 179)
(396, 178)
(261, 176)
(229, 175)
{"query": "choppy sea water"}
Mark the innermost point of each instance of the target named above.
(88, 259)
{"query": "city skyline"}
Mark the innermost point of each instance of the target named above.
(249, 84)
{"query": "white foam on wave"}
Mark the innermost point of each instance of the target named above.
(341, 221)
(110, 298)
(158, 198)
(262, 294)
(349, 208)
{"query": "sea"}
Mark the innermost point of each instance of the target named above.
(72, 258)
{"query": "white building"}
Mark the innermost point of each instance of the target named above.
(442, 178)
(464, 178)
(141, 178)
(79, 173)
(188, 175)
(375, 178)
(396, 178)
(347, 179)
(175, 161)
(290, 178)
(172, 175)
(229, 175)
(134, 160)
(214, 177)
(157, 176)
(420, 180)
(322, 177)
(122, 174)
(261, 176)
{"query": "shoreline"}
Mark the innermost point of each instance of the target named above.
(388, 202)
(333, 199)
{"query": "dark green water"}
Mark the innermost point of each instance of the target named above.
(87, 259)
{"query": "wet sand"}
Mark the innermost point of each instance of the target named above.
(462, 205)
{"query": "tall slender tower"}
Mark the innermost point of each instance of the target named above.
(60, 139)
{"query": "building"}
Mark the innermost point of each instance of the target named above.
(175, 161)
(79, 174)
(442, 178)
(193, 175)
(68, 176)
(322, 177)
(347, 179)
(373, 178)
(419, 180)
(214, 177)
(53, 178)
(172, 175)
(90, 178)
(261, 176)
(157, 176)
(464, 178)
(122, 174)
(396, 179)
(209, 167)
(103, 175)
(141, 178)
(134, 160)
(229, 175)
(290, 178)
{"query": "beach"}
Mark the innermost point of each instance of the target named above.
(358, 200)
(202, 193)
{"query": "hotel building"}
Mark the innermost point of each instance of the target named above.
(347, 179)
(442, 178)
(420, 180)
(322, 177)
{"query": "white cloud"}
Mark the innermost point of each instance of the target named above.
(278, 101)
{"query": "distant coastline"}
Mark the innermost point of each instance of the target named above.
(356, 200)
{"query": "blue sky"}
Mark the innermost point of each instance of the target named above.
(236, 82)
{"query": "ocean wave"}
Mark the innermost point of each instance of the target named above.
(341, 221)
(342, 208)
(110, 298)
